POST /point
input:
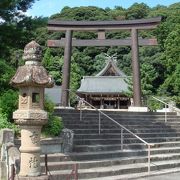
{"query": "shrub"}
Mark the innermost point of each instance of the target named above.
(4, 123)
(55, 124)
(8, 103)
(6, 73)
(153, 105)
(53, 127)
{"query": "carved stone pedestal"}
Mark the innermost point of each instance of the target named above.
(30, 122)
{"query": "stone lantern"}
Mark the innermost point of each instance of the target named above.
(31, 79)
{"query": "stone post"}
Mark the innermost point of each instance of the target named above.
(31, 79)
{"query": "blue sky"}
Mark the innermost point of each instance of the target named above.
(49, 7)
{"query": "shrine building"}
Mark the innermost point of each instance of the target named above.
(108, 89)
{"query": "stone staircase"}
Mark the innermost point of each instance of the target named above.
(100, 156)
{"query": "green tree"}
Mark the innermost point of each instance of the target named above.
(82, 13)
(171, 85)
(8, 103)
(47, 59)
(54, 65)
(11, 9)
(137, 11)
(148, 75)
(100, 62)
(172, 49)
(118, 13)
(6, 72)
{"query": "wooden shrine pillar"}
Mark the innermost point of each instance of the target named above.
(66, 69)
(136, 68)
(118, 101)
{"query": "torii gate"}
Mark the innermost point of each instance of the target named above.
(100, 27)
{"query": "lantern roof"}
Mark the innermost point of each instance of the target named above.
(32, 73)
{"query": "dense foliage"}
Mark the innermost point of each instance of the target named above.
(55, 124)
(160, 65)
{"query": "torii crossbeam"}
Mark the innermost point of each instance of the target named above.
(101, 27)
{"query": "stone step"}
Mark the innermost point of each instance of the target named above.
(119, 117)
(96, 114)
(126, 140)
(126, 135)
(99, 163)
(52, 166)
(56, 157)
(92, 112)
(137, 126)
(138, 176)
(116, 170)
(101, 157)
(130, 124)
(122, 120)
(111, 147)
(116, 130)
(82, 156)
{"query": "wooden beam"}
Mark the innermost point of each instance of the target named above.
(102, 42)
(101, 35)
(56, 25)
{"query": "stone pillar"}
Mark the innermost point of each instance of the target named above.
(66, 69)
(136, 69)
(31, 79)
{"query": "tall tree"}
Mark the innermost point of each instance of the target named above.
(137, 11)
(11, 9)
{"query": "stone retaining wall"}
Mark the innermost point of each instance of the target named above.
(48, 145)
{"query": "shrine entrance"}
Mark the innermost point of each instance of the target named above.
(110, 102)
(101, 27)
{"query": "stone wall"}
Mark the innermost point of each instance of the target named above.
(10, 155)
(48, 145)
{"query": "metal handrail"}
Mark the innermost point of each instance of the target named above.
(166, 105)
(175, 108)
(81, 99)
(122, 127)
(73, 173)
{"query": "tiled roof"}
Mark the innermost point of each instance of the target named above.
(103, 84)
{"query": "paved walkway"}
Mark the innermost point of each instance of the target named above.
(171, 176)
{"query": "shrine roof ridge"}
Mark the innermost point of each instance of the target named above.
(97, 25)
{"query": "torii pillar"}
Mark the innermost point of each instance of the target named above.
(66, 69)
(136, 68)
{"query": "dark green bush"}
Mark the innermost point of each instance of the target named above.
(9, 103)
(54, 125)
(4, 123)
